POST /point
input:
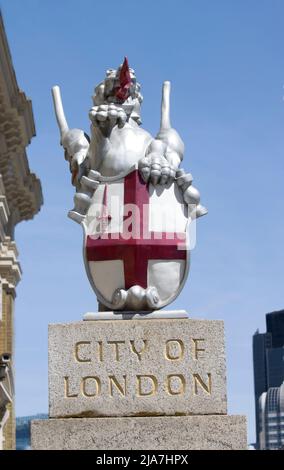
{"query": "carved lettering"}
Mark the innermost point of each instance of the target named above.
(165, 381)
(88, 383)
(113, 382)
(100, 346)
(116, 348)
(197, 350)
(78, 351)
(67, 393)
(174, 349)
(142, 349)
(199, 381)
(147, 385)
(175, 384)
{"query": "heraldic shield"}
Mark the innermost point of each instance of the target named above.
(135, 242)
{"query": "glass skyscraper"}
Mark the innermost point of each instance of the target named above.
(271, 418)
(268, 361)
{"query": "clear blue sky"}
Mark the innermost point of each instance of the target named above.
(225, 59)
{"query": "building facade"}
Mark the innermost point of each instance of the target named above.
(271, 419)
(268, 361)
(20, 199)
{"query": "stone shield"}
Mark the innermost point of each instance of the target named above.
(136, 243)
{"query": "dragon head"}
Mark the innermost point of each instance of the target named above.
(120, 87)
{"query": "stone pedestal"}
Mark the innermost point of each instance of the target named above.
(211, 432)
(138, 384)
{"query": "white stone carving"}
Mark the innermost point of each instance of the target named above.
(118, 142)
(121, 165)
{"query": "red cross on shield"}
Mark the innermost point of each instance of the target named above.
(136, 235)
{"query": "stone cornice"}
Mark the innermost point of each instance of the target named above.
(10, 270)
(4, 211)
(22, 188)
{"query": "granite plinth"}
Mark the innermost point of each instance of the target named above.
(150, 433)
(154, 367)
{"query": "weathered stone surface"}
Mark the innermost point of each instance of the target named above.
(137, 368)
(151, 433)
